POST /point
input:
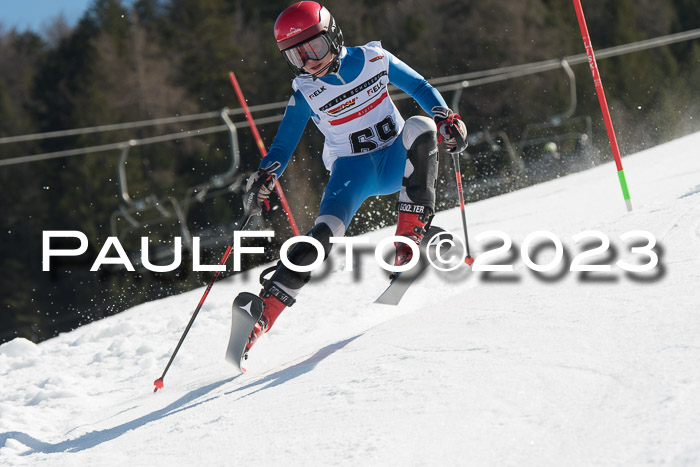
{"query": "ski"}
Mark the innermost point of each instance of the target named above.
(403, 280)
(247, 309)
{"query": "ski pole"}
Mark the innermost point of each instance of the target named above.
(263, 151)
(603, 102)
(455, 160)
(159, 382)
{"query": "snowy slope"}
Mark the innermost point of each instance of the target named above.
(471, 368)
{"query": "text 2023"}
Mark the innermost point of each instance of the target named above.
(648, 256)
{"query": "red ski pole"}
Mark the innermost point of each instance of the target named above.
(159, 382)
(458, 173)
(603, 102)
(263, 151)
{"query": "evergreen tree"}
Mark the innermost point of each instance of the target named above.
(161, 58)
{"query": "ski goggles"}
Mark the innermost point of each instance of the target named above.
(313, 49)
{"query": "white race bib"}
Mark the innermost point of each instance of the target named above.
(357, 117)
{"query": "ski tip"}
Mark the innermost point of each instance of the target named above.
(469, 260)
(158, 384)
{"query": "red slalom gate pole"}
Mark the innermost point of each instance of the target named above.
(603, 102)
(263, 151)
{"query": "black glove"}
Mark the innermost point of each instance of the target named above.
(451, 129)
(258, 189)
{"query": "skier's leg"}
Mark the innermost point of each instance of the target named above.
(419, 137)
(416, 205)
(352, 181)
(349, 185)
(280, 290)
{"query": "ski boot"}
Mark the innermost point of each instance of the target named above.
(414, 220)
(275, 300)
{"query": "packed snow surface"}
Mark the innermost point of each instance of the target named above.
(472, 368)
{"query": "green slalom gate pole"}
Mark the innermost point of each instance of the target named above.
(603, 102)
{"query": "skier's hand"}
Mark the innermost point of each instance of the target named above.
(258, 190)
(451, 129)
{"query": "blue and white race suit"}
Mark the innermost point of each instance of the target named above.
(366, 138)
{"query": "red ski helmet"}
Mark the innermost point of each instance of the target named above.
(307, 30)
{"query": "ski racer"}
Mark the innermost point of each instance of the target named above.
(369, 149)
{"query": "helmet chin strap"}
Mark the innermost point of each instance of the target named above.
(332, 67)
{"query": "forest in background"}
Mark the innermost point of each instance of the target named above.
(161, 58)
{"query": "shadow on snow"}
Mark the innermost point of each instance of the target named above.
(95, 438)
